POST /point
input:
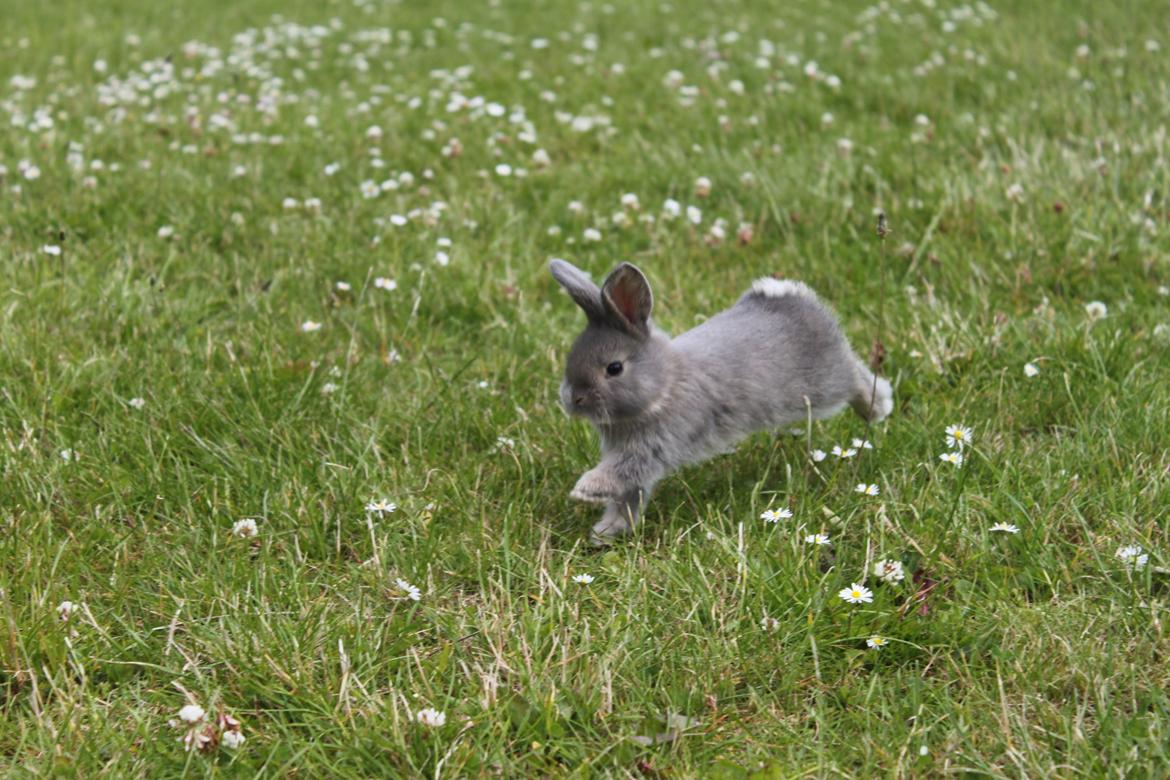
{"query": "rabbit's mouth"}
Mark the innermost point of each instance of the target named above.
(581, 403)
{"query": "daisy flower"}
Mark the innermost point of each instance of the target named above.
(954, 457)
(1132, 555)
(818, 455)
(888, 570)
(817, 539)
(308, 326)
(862, 444)
(876, 642)
(1006, 528)
(846, 453)
(856, 594)
(412, 593)
(431, 718)
(51, 249)
(583, 579)
(958, 436)
(381, 507)
(1031, 370)
(137, 403)
(776, 515)
(869, 490)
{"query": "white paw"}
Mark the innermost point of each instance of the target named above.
(608, 528)
(596, 486)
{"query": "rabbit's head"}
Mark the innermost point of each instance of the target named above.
(620, 365)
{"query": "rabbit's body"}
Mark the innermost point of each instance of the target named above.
(774, 358)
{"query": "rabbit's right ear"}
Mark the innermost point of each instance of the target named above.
(579, 287)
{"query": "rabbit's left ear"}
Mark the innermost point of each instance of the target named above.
(627, 299)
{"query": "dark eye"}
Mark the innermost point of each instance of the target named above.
(614, 368)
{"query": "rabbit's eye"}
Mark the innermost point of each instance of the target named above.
(614, 368)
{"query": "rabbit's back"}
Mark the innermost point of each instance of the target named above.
(774, 354)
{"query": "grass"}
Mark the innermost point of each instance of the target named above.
(1033, 654)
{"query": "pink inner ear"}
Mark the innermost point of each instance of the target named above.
(625, 298)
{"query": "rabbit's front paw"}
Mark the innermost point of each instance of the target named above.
(596, 486)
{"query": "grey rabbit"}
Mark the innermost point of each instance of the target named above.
(774, 358)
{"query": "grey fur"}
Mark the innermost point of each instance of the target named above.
(771, 360)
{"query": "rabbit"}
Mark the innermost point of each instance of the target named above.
(774, 358)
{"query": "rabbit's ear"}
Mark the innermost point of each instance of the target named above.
(627, 299)
(579, 287)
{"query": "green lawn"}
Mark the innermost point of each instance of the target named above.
(187, 195)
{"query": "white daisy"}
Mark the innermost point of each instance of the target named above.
(843, 453)
(818, 455)
(412, 593)
(818, 539)
(876, 642)
(583, 579)
(137, 403)
(1006, 528)
(776, 515)
(308, 326)
(1031, 370)
(862, 444)
(1132, 555)
(958, 436)
(869, 490)
(954, 457)
(381, 507)
(856, 594)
